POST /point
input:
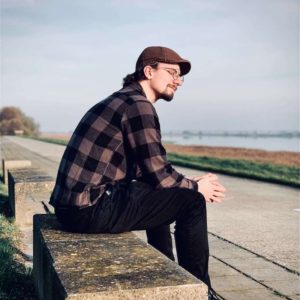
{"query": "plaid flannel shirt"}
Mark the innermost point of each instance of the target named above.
(117, 139)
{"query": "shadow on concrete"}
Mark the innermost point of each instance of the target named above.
(4, 206)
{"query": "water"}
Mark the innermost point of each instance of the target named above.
(264, 143)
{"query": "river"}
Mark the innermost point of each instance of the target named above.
(265, 143)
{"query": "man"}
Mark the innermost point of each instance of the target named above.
(114, 175)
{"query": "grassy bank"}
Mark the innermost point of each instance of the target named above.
(241, 168)
(62, 142)
(15, 278)
(241, 165)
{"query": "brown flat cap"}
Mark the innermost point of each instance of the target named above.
(154, 54)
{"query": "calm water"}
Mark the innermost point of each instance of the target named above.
(265, 143)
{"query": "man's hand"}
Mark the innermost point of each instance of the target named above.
(210, 188)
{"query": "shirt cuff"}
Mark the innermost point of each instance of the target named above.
(194, 185)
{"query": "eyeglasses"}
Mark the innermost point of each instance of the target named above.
(173, 73)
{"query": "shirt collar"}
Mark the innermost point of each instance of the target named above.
(137, 87)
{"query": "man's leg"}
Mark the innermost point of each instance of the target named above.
(160, 238)
(139, 208)
(192, 243)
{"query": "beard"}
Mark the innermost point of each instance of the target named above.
(167, 96)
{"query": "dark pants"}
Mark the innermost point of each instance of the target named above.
(138, 207)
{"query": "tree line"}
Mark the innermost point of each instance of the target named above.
(13, 122)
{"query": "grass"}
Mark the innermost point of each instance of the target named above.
(16, 280)
(63, 142)
(241, 168)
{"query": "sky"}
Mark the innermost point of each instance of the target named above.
(60, 57)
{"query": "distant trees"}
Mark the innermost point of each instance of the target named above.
(13, 121)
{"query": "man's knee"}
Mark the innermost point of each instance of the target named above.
(193, 198)
(194, 204)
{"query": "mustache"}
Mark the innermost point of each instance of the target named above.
(173, 86)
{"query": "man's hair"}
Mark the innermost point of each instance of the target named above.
(136, 76)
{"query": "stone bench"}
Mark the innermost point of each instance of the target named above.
(13, 164)
(28, 194)
(105, 266)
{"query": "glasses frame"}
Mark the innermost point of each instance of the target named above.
(173, 73)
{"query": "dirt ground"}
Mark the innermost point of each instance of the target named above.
(286, 158)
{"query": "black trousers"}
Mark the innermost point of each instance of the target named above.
(136, 206)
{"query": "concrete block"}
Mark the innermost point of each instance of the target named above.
(29, 192)
(12, 165)
(105, 266)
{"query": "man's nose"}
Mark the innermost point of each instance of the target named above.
(178, 81)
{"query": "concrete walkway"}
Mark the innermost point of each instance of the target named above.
(254, 234)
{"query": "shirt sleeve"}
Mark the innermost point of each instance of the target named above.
(142, 132)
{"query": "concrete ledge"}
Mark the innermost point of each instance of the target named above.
(12, 165)
(105, 266)
(29, 191)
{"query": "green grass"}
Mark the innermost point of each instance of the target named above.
(16, 280)
(241, 168)
(51, 140)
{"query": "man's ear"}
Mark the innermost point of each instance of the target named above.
(148, 71)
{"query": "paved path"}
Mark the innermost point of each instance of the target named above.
(254, 234)
(42, 155)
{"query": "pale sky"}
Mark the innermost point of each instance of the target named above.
(60, 57)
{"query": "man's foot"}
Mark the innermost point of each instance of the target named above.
(212, 295)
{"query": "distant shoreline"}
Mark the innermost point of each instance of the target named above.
(287, 158)
(263, 141)
(245, 134)
(191, 133)
(271, 166)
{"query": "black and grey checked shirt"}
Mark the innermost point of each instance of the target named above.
(117, 139)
